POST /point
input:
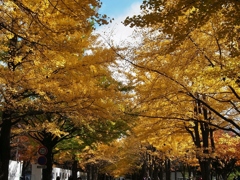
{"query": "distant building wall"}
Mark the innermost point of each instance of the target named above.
(64, 174)
(15, 170)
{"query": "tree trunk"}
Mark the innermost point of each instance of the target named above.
(95, 173)
(5, 146)
(135, 176)
(202, 135)
(160, 174)
(205, 169)
(168, 169)
(25, 166)
(155, 170)
(47, 172)
(189, 168)
(144, 169)
(89, 172)
(74, 170)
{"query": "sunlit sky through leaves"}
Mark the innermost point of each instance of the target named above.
(116, 32)
(119, 10)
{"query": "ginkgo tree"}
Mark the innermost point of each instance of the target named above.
(38, 38)
(186, 73)
(145, 151)
(179, 18)
(168, 145)
(85, 100)
(116, 159)
(210, 40)
(226, 154)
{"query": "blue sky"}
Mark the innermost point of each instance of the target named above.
(115, 8)
(119, 10)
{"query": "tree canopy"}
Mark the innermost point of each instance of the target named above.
(180, 87)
